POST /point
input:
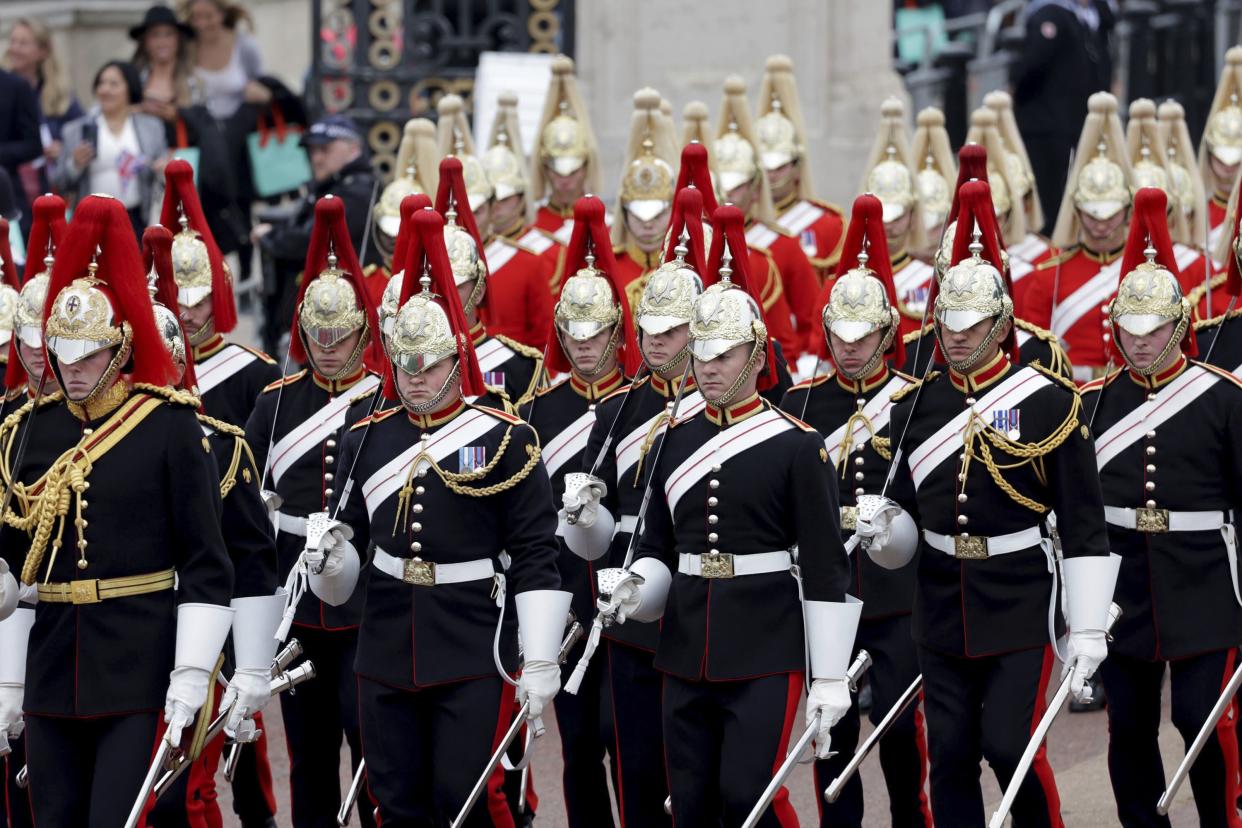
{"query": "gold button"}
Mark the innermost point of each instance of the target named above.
(1151, 435)
(858, 461)
(1151, 504)
(421, 473)
(859, 476)
(1151, 450)
(961, 498)
(329, 459)
(418, 490)
(713, 484)
(328, 477)
(1149, 486)
(1151, 467)
(716, 469)
(858, 492)
(713, 551)
(328, 492)
(962, 520)
(331, 443)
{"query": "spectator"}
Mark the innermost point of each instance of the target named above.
(162, 58)
(227, 61)
(1064, 59)
(30, 56)
(19, 127)
(341, 169)
(114, 149)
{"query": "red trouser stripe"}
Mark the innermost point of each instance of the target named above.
(1043, 770)
(1227, 734)
(780, 803)
(497, 804)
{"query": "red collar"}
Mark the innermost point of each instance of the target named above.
(478, 334)
(437, 418)
(563, 212)
(734, 413)
(213, 344)
(515, 231)
(1103, 258)
(336, 386)
(598, 389)
(980, 378)
(668, 388)
(1162, 377)
(864, 385)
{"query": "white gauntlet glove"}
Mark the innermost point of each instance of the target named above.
(542, 614)
(1089, 584)
(830, 699)
(187, 691)
(201, 632)
(14, 638)
(249, 690)
(581, 498)
(255, 621)
(1086, 652)
(830, 630)
(8, 590)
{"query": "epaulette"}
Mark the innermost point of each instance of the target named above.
(505, 416)
(1197, 293)
(829, 206)
(173, 395)
(901, 393)
(818, 379)
(905, 376)
(376, 417)
(1062, 257)
(518, 347)
(791, 418)
(914, 336)
(1219, 371)
(370, 392)
(1216, 320)
(221, 426)
(624, 389)
(550, 388)
(1054, 375)
(14, 393)
(289, 380)
(1035, 331)
(371, 269)
(1099, 382)
(260, 354)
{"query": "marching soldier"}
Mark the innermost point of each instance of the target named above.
(990, 449)
(738, 487)
(780, 132)
(520, 305)
(110, 644)
(852, 410)
(230, 376)
(1150, 166)
(1220, 339)
(453, 550)
(604, 504)
(930, 151)
(295, 432)
(744, 183)
(1220, 151)
(509, 214)
(1032, 249)
(413, 172)
(645, 196)
(1185, 183)
(593, 342)
(566, 166)
(1169, 450)
(1069, 292)
(1010, 215)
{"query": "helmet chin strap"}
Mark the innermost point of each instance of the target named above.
(732, 391)
(669, 366)
(1175, 341)
(876, 356)
(603, 358)
(433, 404)
(205, 332)
(350, 364)
(966, 364)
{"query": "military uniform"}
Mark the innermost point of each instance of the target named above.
(518, 304)
(1034, 345)
(508, 365)
(231, 377)
(1024, 258)
(1078, 312)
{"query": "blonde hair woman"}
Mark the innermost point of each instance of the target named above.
(30, 55)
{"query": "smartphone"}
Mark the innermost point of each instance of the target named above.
(90, 132)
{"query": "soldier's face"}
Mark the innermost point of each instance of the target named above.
(896, 231)
(853, 356)
(1225, 174)
(783, 179)
(648, 235)
(81, 377)
(483, 217)
(194, 317)
(1104, 234)
(716, 377)
(424, 386)
(505, 211)
(660, 348)
(464, 292)
(961, 344)
(567, 189)
(330, 361)
(33, 362)
(743, 196)
(586, 354)
(1143, 350)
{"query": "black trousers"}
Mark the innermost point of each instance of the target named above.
(254, 801)
(87, 773)
(642, 785)
(723, 740)
(426, 749)
(316, 717)
(985, 708)
(1134, 765)
(903, 750)
(585, 739)
(16, 810)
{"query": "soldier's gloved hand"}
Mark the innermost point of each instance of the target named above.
(187, 692)
(332, 548)
(581, 498)
(1087, 649)
(623, 599)
(249, 690)
(11, 722)
(539, 683)
(830, 698)
(9, 590)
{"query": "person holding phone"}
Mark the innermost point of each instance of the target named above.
(114, 149)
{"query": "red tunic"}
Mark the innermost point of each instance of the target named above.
(1085, 283)
(797, 277)
(913, 280)
(819, 228)
(1024, 257)
(633, 268)
(518, 303)
(776, 311)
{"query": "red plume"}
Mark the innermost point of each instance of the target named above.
(453, 182)
(590, 236)
(102, 223)
(331, 227)
(179, 192)
(688, 216)
(696, 172)
(426, 247)
(729, 228)
(866, 225)
(6, 256)
(972, 162)
(410, 205)
(1150, 226)
(47, 228)
(157, 255)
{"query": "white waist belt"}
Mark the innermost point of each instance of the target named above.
(978, 547)
(291, 523)
(428, 573)
(1162, 520)
(731, 566)
(627, 524)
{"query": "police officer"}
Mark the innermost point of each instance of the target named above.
(852, 409)
(1169, 449)
(458, 495)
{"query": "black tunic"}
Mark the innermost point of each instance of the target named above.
(232, 399)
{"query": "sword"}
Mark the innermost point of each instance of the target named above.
(162, 756)
(1037, 737)
(852, 676)
(1196, 747)
(366, 232)
(351, 796)
(282, 660)
(833, 791)
(571, 638)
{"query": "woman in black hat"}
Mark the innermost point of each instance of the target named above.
(163, 60)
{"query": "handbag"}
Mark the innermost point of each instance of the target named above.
(184, 151)
(278, 162)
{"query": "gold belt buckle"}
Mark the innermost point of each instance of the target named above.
(970, 548)
(849, 518)
(1151, 520)
(419, 572)
(719, 565)
(84, 592)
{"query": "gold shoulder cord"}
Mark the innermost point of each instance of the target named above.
(229, 479)
(1032, 453)
(847, 443)
(648, 442)
(455, 481)
(165, 392)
